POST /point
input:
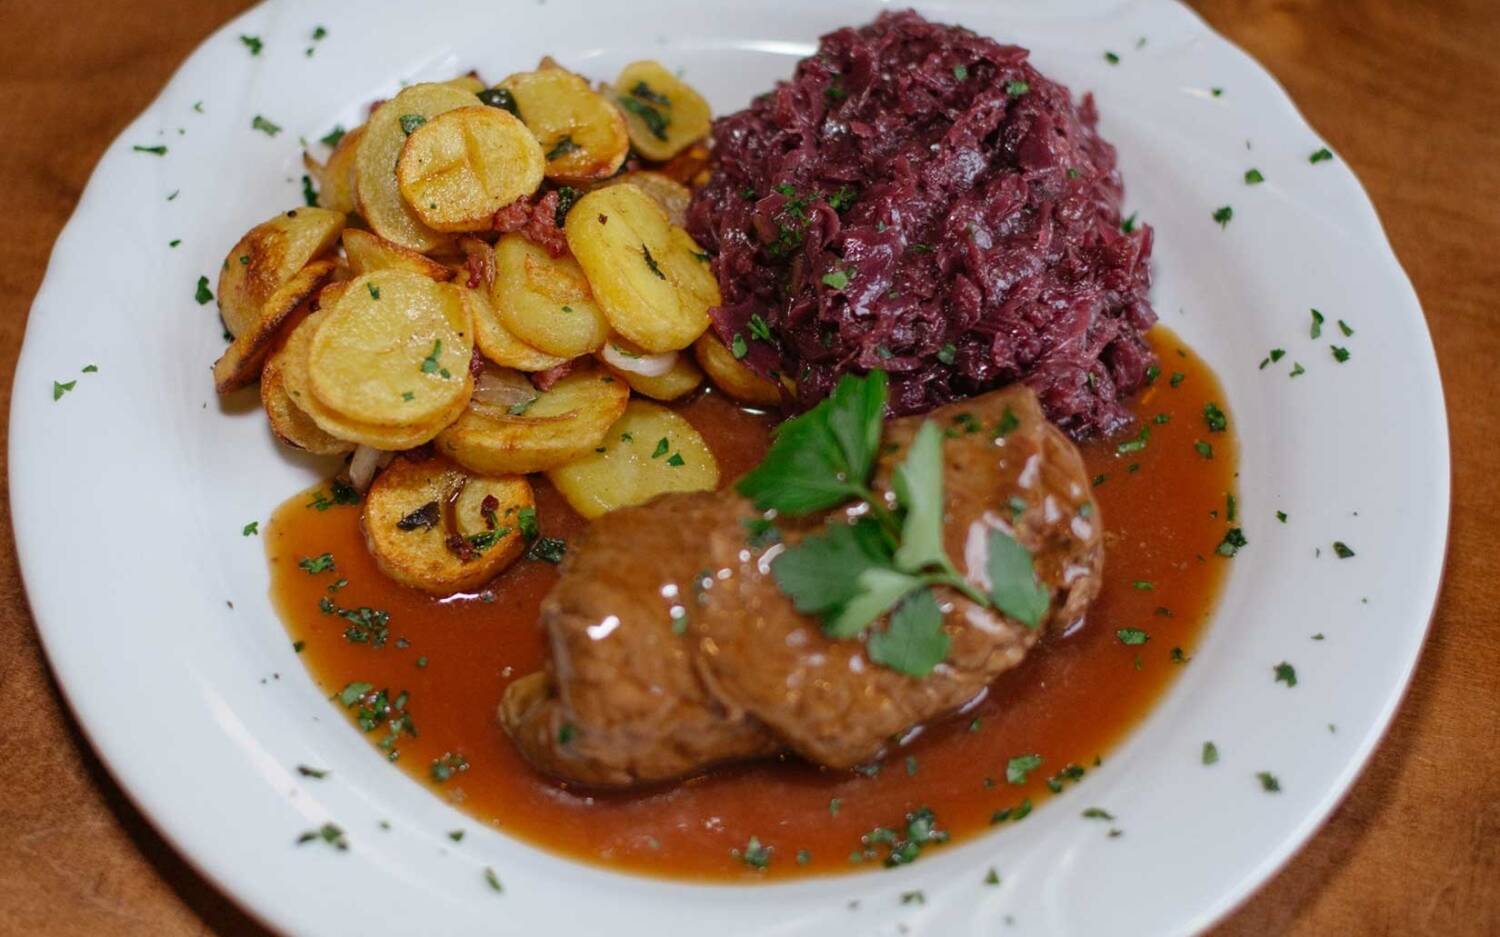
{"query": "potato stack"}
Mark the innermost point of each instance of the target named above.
(484, 277)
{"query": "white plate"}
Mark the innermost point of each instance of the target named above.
(129, 493)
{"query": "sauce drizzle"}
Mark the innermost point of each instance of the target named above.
(1166, 509)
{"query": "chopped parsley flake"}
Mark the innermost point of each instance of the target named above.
(1210, 753)
(328, 833)
(836, 279)
(1340, 354)
(1320, 155)
(203, 294)
(445, 766)
(1132, 636)
(1254, 177)
(1268, 782)
(250, 529)
(264, 126)
(755, 854)
(429, 363)
(1112, 58)
(252, 43)
(562, 147)
(1233, 540)
(1286, 673)
(1215, 418)
(651, 262)
(1223, 214)
(1019, 768)
(410, 123)
(60, 388)
(1342, 550)
(312, 565)
(158, 150)
(960, 72)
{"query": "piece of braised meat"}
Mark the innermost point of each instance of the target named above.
(673, 649)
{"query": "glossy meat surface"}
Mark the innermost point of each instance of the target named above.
(673, 649)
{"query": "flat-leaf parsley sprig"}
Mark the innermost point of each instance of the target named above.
(889, 558)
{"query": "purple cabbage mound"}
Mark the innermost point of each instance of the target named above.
(920, 199)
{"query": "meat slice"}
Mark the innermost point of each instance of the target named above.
(672, 648)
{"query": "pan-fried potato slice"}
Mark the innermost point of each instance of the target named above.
(268, 256)
(394, 350)
(679, 380)
(432, 527)
(731, 376)
(544, 300)
(690, 167)
(289, 422)
(335, 178)
(368, 253)
(649, 277)
(471, 83)
(464, 165)
(649, 452)
(498, 344)
(670, 194)
(663, 115)
(241, 362)
(375, 189)
(561, 425)
(582, 136)
(298, 384)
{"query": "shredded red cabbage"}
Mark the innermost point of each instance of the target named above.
(920, 199)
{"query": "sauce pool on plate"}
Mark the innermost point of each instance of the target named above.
(1166, 498)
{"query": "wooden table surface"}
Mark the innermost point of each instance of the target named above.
(1406, 91)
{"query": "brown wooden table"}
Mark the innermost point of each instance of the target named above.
(1407, 91)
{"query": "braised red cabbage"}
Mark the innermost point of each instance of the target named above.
(920, 199)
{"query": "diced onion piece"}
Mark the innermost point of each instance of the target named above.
(622, 356)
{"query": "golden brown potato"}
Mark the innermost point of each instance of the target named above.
(497, 343)
(690, 167)
(298, 385)
(375, 188)
(435, 528)
(240, 363)
(289, 422)
(582, 136)
(652, 281)
(368, 253)
(462, 166)
(471, 83)
(648, 452)
(731, 376)
(662, 114)
(394, 350)
(680, 378)
(268, 256)
(335, 178)
(544, 300)
(560, 425)
(670, 194)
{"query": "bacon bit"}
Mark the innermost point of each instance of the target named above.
(476, 364)
(375, 105)
(512, 217)
(489, 507)
(479, 260)
(461, 548)
(545, 379)
(536, 221)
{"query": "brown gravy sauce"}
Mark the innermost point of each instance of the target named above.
(1074, 698)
